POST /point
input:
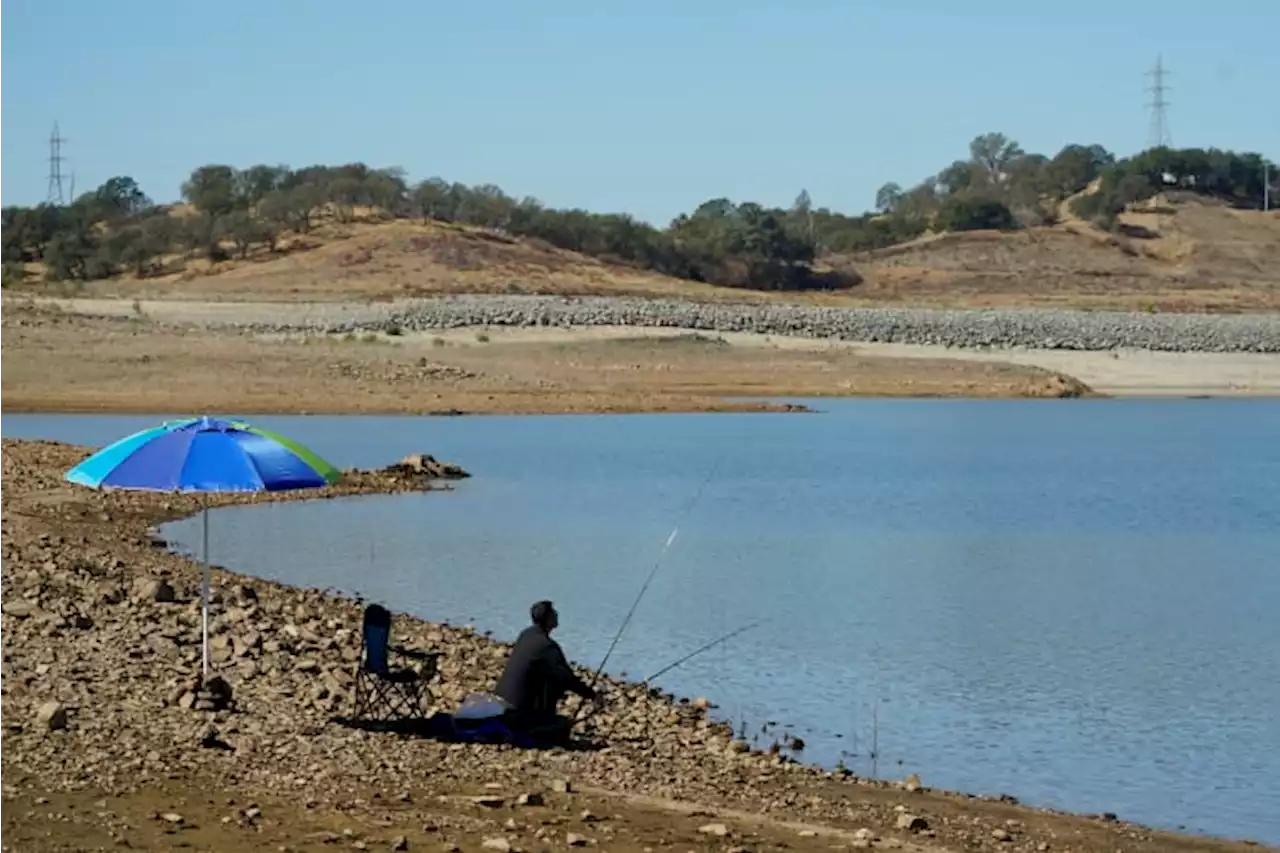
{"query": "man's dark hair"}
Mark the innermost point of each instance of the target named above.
(541, 613)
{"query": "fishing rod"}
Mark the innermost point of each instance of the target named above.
(704, 648)
(675, 531)
(724, 638)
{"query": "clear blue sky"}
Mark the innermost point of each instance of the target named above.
(646, 107)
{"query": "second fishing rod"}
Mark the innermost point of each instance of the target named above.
(678, 662)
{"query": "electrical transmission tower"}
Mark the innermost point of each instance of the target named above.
(1159, 124)
(55, 195)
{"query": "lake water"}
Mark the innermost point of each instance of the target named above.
(1075, 602)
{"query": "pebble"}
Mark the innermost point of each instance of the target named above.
(19, 609)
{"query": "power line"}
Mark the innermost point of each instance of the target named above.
(55, 195)
(1159, 132)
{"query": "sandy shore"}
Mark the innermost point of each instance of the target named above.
(57, 361)
(101, 634)
(1119, 373)
(118, 355)
(1129, 373)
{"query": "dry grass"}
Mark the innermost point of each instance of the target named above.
(1173, 254)
(399, 259)
(61, 362)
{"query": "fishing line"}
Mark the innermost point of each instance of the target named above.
(675, 531)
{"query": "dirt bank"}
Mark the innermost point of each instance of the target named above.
(1119, 373)
(105, 625)
(61, 362)
(551, 369)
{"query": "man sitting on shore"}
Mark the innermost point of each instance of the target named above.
(536, 678)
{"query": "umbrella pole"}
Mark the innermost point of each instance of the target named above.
(204, 588)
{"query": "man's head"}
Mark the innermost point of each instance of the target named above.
(544, 616)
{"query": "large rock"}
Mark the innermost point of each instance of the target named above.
(52, 716)
(425, 465)
(156, 589)
(911, 822)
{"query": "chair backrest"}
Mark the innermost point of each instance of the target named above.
(376, 637)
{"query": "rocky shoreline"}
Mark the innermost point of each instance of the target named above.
(101, 657)
(1049, 329)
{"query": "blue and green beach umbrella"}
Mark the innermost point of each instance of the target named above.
(204, 455)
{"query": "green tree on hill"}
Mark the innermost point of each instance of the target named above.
(146, 241)
(973, 213)
(69, 253)
(992, 154)
(1075, 167)
(889, 198)
(253, 185)
(117, 199)
(212, 190)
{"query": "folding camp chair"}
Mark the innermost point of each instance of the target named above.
(386, 691)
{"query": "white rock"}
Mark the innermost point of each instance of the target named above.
(52, 716)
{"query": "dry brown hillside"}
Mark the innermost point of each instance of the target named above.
(1172, 253)
(390, 259)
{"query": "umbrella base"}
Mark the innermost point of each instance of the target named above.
(208, 694)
